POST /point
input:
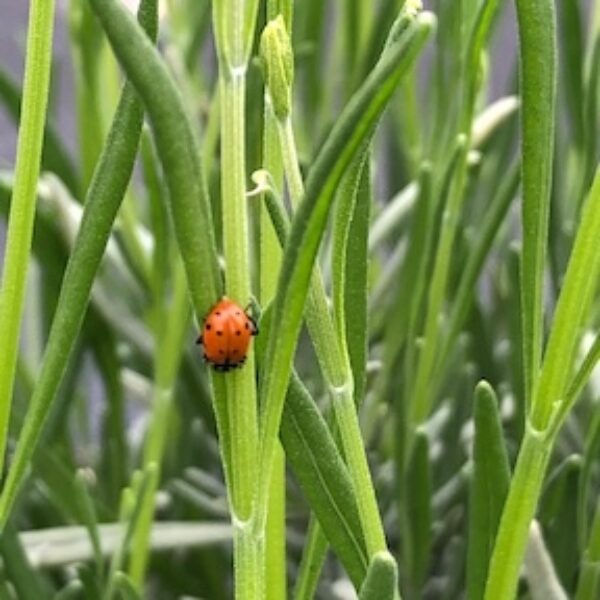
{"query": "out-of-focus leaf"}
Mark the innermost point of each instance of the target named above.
(489, 486)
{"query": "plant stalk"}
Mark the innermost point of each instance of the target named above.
(20, 225)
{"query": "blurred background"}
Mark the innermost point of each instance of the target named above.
(13, 26)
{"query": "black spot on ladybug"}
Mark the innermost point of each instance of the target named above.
(247, 325)
(219, 333)
(208, 327)
(218, 314)
(238, 332)
(238, 313)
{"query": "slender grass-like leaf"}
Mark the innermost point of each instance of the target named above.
(356, 288)
(319, 467)
(105, 194)
(22, 210)
(572, 42)
(472, 75)
(321, 472)
(88, 48)
(177, 149)
(579, 285)
(489, 486)
(537, 33)
(418, 514)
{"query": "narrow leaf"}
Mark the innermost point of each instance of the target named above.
(323, 476)
(418, 513)
(489, 486)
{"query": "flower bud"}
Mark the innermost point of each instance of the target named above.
(278, 65)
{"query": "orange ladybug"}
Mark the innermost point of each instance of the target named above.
(226, 335)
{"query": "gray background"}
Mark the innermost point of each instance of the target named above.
(13, 29)
(13, 23)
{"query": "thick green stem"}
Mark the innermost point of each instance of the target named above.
(234, 25)
(519, 510)
(240, 383)
(20, 224)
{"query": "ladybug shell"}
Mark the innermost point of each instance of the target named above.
(226, 335)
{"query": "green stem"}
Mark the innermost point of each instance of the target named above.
(335, 365)
(270, 265)
(20, 224)
(234, 26)
(519, 509)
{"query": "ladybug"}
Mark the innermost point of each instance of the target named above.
(226, 335)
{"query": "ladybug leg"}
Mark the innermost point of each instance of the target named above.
(199, 340)
(254, 324)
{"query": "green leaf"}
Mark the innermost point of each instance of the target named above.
(381, 582)
(418, 514)
(489, 487)
(323, 476)
(578, 288)
(537, 32)
(176, 146)
(572, 41)
(349, 266)
(356, 289)
(19, 233)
